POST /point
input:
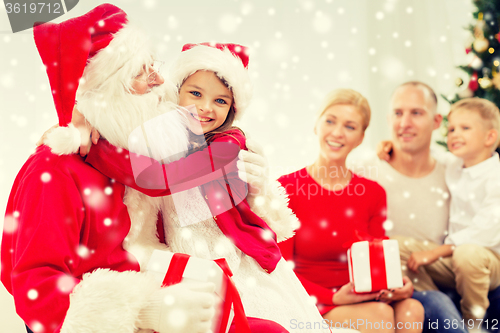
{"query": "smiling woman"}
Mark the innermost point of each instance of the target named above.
(337, 206)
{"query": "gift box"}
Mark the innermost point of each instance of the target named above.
(172, 268)
(375, 265)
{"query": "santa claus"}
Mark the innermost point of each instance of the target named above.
(69, 255)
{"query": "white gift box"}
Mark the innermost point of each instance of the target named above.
(196, 270)
(375, 265)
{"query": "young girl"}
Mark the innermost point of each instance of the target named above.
(215, 80)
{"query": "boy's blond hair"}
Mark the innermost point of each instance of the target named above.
(347, 97)
(486, 109)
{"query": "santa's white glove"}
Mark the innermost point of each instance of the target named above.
(253, 168)
(186, 307)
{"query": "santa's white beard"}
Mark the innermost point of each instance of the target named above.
(115, 118)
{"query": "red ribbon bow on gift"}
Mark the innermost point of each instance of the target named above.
(378, 272)
(358, 237)
(232, 297)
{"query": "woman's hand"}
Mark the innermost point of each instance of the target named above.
(88, 134)
(384, 150)
(388, 296)
(345, 295)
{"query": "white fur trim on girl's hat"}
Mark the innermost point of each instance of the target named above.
(228, 61)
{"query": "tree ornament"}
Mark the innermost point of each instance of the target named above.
(473, 84)
(459, 82)
(485, 83)
(481, 44)
(496, 81)
(474, 61)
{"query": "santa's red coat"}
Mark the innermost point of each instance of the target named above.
(64, 218)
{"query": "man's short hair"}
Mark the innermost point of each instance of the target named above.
(418, 84)
(486, 109)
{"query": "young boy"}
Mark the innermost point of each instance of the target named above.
(469, 259)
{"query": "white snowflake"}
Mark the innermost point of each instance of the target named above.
(32, 294)
(65, 284)
(246, 8)
(36, 326)
(322, 23)
(149, 3)
(83, 251)
(229, 23)
(388, 225)
(7, 80)
(172, 22)
(45, 177)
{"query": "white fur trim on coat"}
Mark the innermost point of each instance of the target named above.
(272, 207)
(142, 238)
(63, 140)
(108, 301)
(224, 63)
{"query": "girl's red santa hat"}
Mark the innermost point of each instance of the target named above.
(228, 61)
(83, 55)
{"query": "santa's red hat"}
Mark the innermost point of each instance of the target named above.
(228, 61)
(94, 46)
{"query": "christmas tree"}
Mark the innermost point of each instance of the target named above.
(483, 54)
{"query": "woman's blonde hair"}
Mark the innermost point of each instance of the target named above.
(347, 97)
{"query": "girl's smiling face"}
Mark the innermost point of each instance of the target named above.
(212, 100)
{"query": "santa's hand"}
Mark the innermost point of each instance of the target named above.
(253, 168)
(44, 136)
(184, 307)
(87, 132)
(345, 295)
(384, 150)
